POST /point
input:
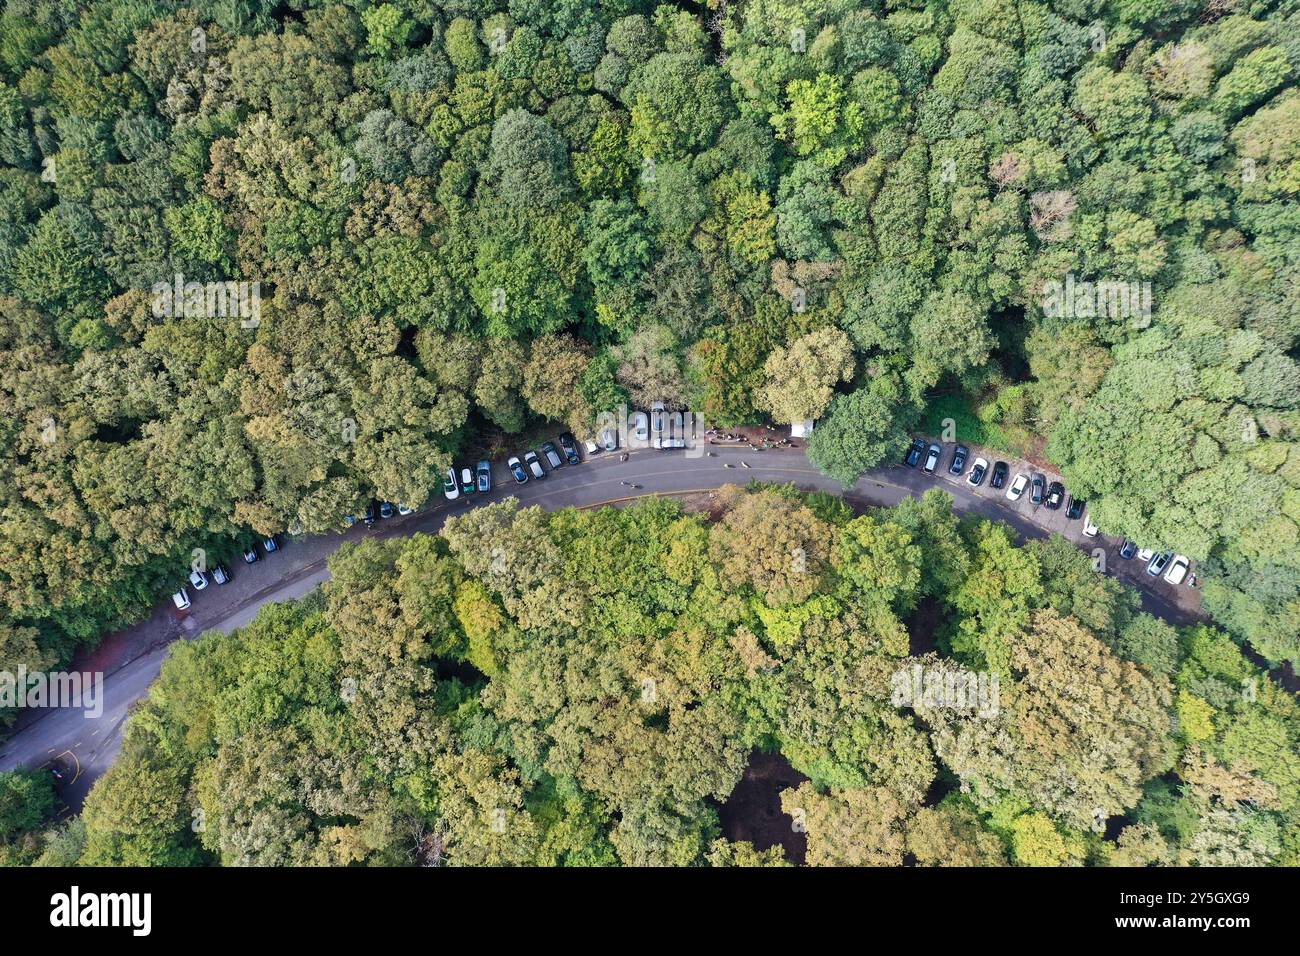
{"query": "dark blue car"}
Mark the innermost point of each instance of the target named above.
(958, 459)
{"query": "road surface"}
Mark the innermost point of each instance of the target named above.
(84, 747)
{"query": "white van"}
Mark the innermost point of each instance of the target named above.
(1178, 568)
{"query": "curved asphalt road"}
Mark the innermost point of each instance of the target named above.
(85, 746)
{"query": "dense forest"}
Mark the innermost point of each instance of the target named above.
(464, 216)
(587, 687)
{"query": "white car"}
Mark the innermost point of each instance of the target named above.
(449, 487)
(403, 510)
(1017, 488)
(639, 422)
(199, 580)
(657, 417)
(181, 600)
(1178, 568)
(535, 466)
(590, 447)
(220, 574)
(517, 469)
(1089, 529)
(1145, 555)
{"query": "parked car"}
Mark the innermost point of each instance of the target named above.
(385, 509)
(535, 466)
(516, 469)
(1089, 529)
(250, 554)
(369, 516)
(1017, 488)
(199, 580)
(931, 459)
(552, 455)
(569, 445)
(958, 460)
(349, 520)
(221, 574)
(639, 422)
(1127, 549)
(999, 475)
(1177, 569)
(609, 439)
(657, 417)
(977, 470)
(467, 485)
(1158, 563)
(403, 510)
(484, 472)
(1074, 508)
(1036, 489)
(914, 453)
(270, 544)
(181, 600)
(1055, 495)
(450, 488)
(590, 447)
(1145, 554)
(675, 436)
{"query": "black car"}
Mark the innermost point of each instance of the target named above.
(370, 514)
(958, 459)
(914, 453)
(250, 554)
(1055, 495)
(569, 445)
(1074, 510)
(1036, 489)
(1127, 549)
(999, 475)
